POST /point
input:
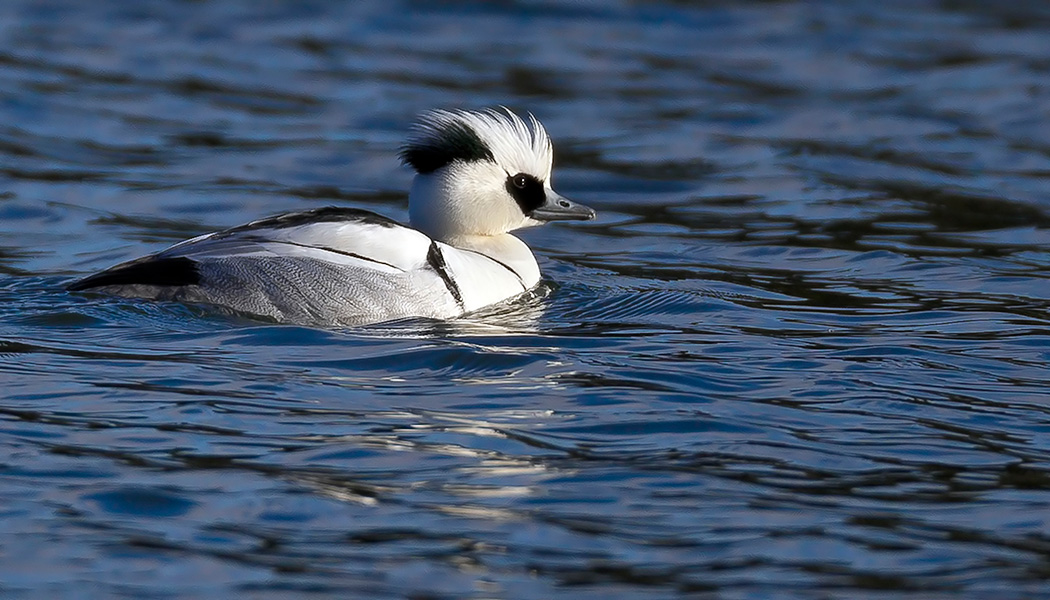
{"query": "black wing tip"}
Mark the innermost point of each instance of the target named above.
(80, 285)
(175, 271)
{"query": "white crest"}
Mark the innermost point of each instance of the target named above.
(443, 136)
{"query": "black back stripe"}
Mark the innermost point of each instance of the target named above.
(177, 271)
(326, 214)
(436, 260)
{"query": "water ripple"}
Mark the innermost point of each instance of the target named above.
(801, 353)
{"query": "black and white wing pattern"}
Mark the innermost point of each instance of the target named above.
(329, 266)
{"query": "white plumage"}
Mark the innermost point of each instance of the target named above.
(480, 175)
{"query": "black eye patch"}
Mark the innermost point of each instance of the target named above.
(527, 191)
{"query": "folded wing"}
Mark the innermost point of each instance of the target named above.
(327, 266)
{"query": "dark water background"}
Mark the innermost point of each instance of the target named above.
(802, 353)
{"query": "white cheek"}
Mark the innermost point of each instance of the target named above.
(479, 200)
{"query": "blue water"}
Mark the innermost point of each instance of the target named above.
(802, 353)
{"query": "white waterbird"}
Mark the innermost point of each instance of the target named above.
(479, 176)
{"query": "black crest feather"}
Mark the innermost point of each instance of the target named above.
(439, 139)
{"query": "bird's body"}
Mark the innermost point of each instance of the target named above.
(479, 176)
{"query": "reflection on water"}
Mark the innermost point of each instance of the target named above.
(802, 353)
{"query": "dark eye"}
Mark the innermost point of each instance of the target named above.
(527, 191)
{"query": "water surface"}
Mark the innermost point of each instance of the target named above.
(802, 353)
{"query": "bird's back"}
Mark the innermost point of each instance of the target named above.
(331, 266)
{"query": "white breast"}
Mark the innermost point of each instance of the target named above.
(482, 280)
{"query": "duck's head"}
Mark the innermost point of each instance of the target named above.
(482, 173)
